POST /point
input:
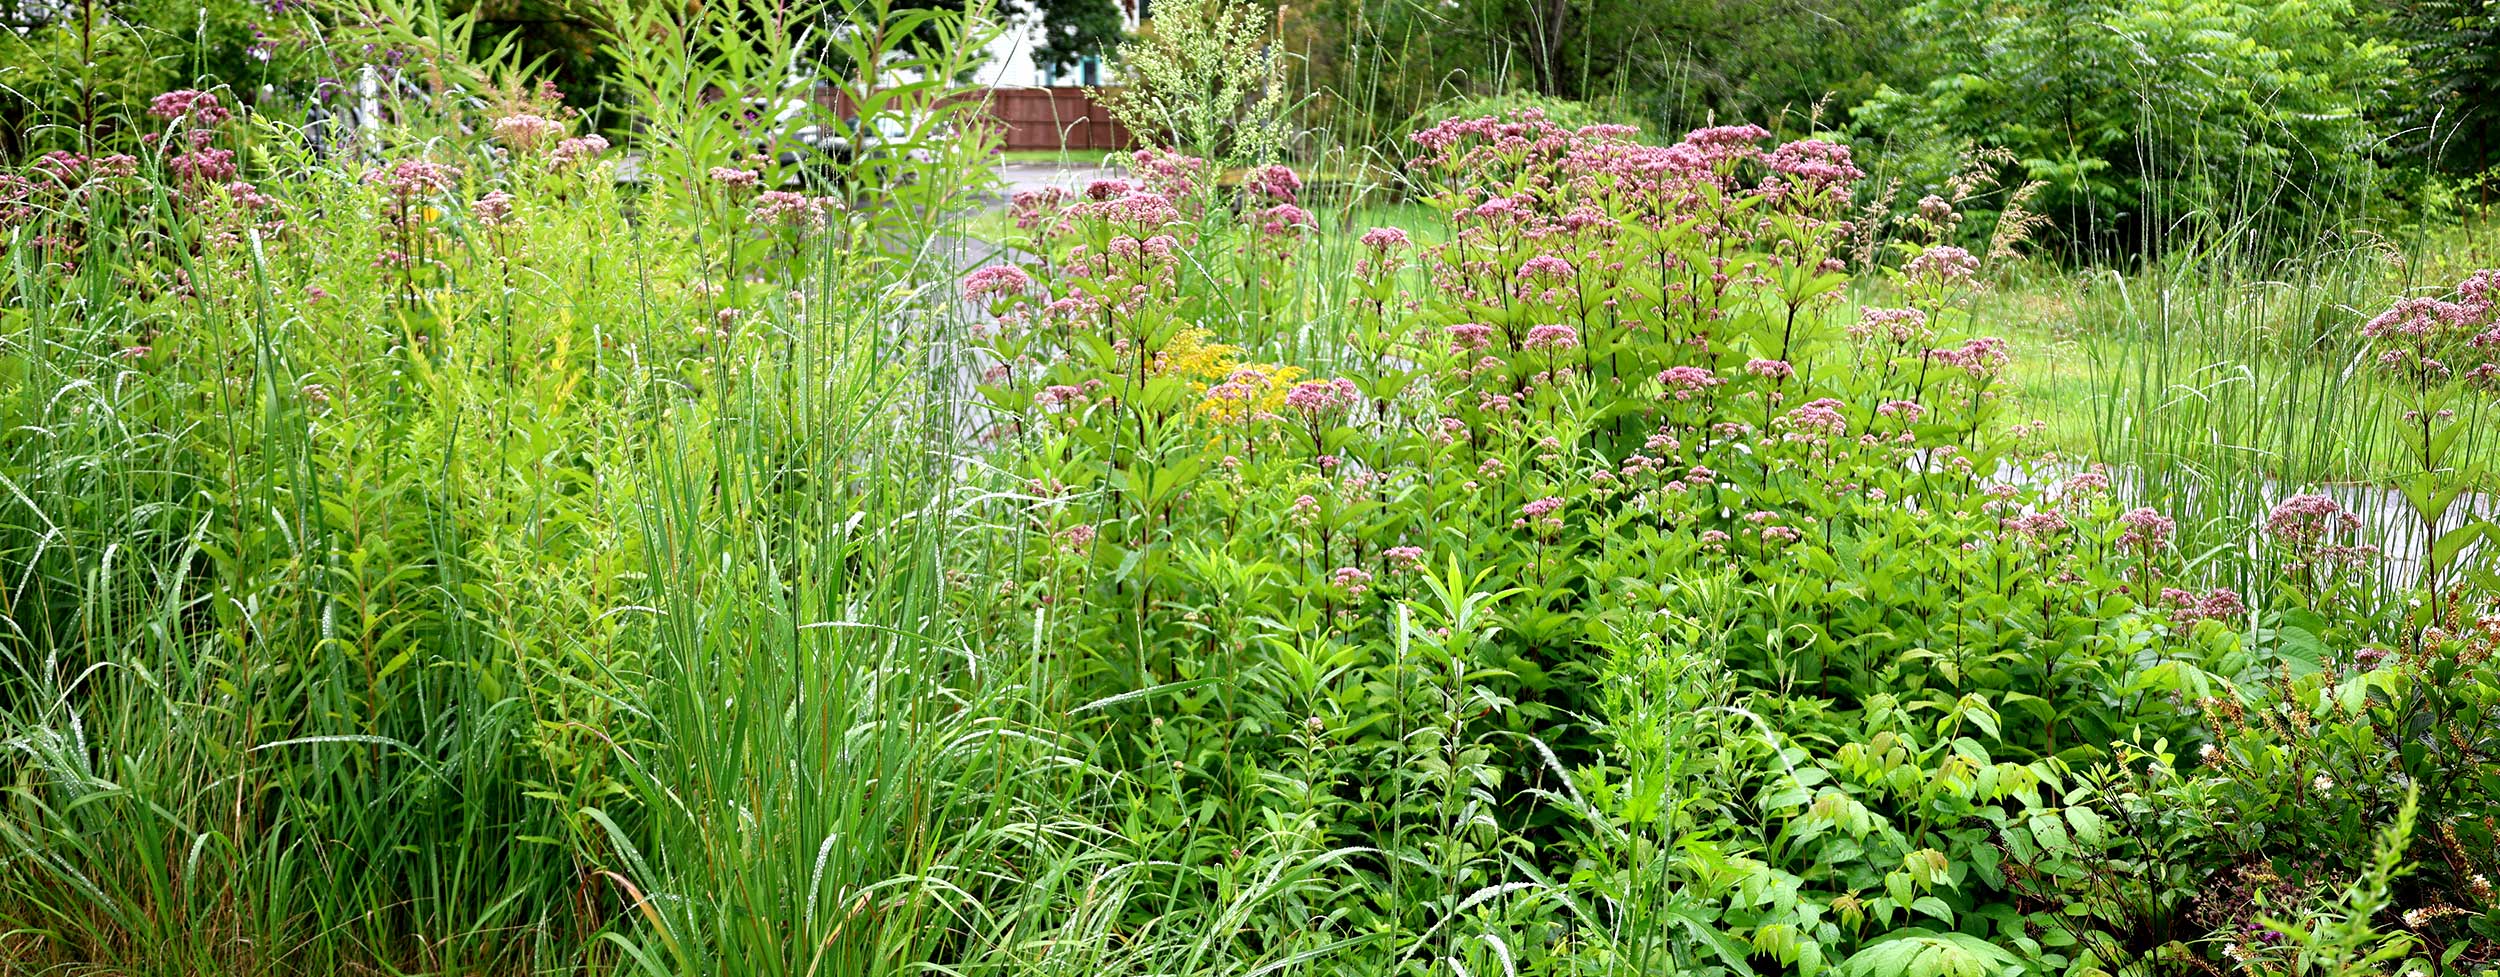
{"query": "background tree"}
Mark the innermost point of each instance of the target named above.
(1378, 64)
(1069, 31)
(78, 76)
(2450, 114)
(2146, 116)
(562, 36)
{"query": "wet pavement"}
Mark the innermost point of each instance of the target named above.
(1014, 178)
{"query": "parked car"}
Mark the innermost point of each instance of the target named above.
(828, 153)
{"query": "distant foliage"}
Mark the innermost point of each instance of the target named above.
(1073, 30)
(2451, 110)
(72, 74)
(2139, 114)
(1680, 63)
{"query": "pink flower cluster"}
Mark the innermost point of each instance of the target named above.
(1552, 337)
(493, 210)
(1982, 359)
(1171, 175)
(1942, 264)
(1901, 326)
(1285, 219)
(996, 281)
(1544, 515)
(206, 164)
(525, 132)
(1545, 267)
(792, 209)
(1718, 146)
(199, 114)
(1772, 370)
(1274, 181)
(1385, 239)
(2428, 332)
(1467, 336)
(578, 149)
(1134, 208)
(1814, 164)
(2309, 519)
(409, 179)
(1688, 382)
(2218, 604)
(1816, 420)
(2316, 529)
(2147, 530)
(1404, 558)
(1609, 156)
(198, 107)
(2037, 527)
(1315, 397)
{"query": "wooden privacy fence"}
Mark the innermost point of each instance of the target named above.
(1054, 118)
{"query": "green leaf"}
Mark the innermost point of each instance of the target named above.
(2444, 551)
(2090, 828)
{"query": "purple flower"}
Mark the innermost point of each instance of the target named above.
(1138, 209)
(1544, 515)
(2146, 531)
(2308, 518)
(996, 280)
(1284, 219)
(203, 166)
(200, 108)
(1275, 181)
(524, 131)
(1553, 337)
(1982, 358)
(1545, 266)
(1386, 239)
(1468, 336)
(493, 209)
(1814, 164)
(1816, 420)
(1942, 264)
(1688, 382)
(2218, 604)
(1322, 396)
(412, 178)
(1898, 325)
(792, 209)
(579, 148)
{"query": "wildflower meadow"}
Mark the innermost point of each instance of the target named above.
(508, 529)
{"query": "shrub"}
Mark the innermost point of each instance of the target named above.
(2143, 114)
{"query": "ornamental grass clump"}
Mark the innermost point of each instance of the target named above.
(432, 552)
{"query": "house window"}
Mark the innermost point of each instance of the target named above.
(1092, 69)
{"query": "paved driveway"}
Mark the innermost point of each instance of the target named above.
(1016, 177)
